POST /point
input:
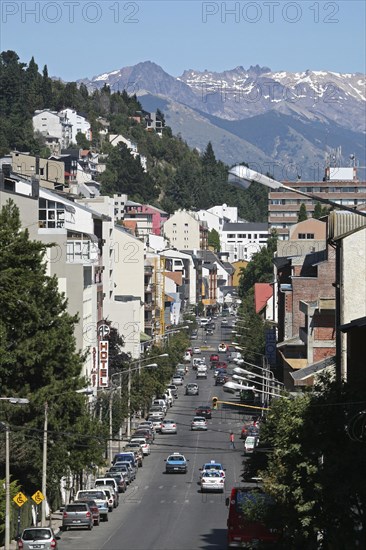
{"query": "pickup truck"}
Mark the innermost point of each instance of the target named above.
(99, 497)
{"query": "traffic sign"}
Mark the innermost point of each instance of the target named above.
(20, 499)
(38, 497)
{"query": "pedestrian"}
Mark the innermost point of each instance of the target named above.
(232, 442)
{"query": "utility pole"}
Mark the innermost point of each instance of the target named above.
(44, 465)
(110, 457)
(129, 403)
(7, 489)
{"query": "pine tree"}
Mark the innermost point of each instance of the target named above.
(302, 216)
(46, 89)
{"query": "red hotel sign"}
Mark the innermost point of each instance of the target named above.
(103, 363)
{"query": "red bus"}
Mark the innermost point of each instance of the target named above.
(245, 533)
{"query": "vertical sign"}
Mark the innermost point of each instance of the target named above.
(103, 363)
(271, 348)
(94, 367)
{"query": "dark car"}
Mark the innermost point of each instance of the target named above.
(146, 433)
(204, 410)
(77, 514)
(221, 379)
(120, 480)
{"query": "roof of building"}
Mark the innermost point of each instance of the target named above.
(355, 324)
(175, 276)
(314, 368)
(262, 293)
(245, 226)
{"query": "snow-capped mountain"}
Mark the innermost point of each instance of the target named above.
(273, 116)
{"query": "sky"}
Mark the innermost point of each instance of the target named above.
(78, 39)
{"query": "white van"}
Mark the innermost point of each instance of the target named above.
(204, 321)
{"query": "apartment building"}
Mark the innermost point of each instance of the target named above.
(185, 231)
(340, 185)
(242, 239)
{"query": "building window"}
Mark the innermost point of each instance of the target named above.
(306, 236)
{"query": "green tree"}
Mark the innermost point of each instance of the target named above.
(214, 240)
(302, 216)
(260, 268)
(124, 174)
(38, 360)
(315, 468)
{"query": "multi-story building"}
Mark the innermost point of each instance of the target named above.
(49, 172)
(340, 185)
(185, 231)
(305, 302)
(75, 256)
(53, 125)
(79, 124)
(242, 239)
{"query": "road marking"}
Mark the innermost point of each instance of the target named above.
(162, 501)
(161, 487)
(146, 487)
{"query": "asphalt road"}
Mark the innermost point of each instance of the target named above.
(167, 511)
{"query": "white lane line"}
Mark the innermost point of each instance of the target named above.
(146, 487)
(161, 487)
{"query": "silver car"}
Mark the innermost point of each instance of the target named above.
(76, 514)
(38, 537)
(168, 427)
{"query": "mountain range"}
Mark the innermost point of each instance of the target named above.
(288, 124)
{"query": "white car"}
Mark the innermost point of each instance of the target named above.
(145, 446)
(156, 423)
(187, 356)
(199, 423)
(222, 348)
(201, 374)
(213, 465)
(168, 427)
(197, 350)
(211, 480)
(177, 380)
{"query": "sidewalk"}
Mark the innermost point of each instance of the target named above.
(56, 521)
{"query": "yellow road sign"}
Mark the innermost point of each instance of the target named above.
(38, 497)
(20, 499)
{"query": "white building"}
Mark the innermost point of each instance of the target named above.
(54, 126)
(184, 230)
(79, 124)
(241, 240)
(228, 213)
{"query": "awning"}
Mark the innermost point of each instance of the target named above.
(314, 368)
(296, 364)
(356, 323)
(144, 337)
(295, 341)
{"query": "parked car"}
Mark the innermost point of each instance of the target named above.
(177, 380)
(145, 446)
(147, 433)
(94, 510)
(136, 448)
(120, 480)
(156, 413)
(146, 424)
(168, 427)
(124, 469)
(192, 389)
(173, 388)
(130, 468)
(99, 497)
(77, 514)
(111, 495)
(250, 444)
(156, 423)
(38, 537)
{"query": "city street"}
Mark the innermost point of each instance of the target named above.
(167, 511)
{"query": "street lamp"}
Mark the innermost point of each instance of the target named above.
(242, 177)
(5, 427)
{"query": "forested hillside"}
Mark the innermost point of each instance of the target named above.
(177, 176)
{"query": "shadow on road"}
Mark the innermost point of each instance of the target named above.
(215, 540)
